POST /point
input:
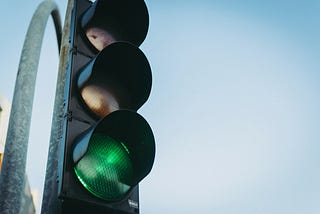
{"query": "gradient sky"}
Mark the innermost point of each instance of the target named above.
(234, 105)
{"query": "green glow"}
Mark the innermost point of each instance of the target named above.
(124, 146)
(105, 168)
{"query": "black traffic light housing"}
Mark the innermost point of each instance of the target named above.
(107, 147)
(126, 20)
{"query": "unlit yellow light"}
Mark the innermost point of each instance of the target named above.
(99, 100)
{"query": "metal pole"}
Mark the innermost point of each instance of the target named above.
(14, 162)
(50, 204)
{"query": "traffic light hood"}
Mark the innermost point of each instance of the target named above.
(119, 150)
(126, 20)
(123, 70)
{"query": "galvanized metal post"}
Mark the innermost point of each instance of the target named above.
(50, 204)
(14, 162)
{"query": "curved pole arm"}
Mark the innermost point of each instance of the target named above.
(57, 24)
(50, 203)
(14, 162)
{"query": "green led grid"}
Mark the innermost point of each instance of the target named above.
(104, 167)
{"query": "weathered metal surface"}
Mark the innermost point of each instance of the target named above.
(14, 162)
(50, 198)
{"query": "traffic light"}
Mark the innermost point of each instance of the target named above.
(107, 147)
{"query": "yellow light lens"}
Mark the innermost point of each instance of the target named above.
(99, 100)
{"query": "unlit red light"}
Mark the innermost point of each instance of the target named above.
(99, 38)
(99, 100)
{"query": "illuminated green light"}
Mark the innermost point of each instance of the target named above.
(105, 167)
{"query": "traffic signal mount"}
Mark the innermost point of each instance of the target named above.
(107, 147)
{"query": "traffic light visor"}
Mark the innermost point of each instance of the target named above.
(122, 73)
(125, 20)
(114, 155)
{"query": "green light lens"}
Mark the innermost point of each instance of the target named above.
(104, 168)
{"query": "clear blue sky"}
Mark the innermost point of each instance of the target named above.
(234, 105)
